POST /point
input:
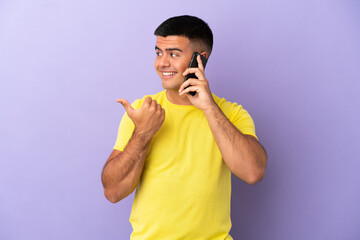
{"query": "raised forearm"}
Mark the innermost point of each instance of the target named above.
(243, 154)
(122, 172)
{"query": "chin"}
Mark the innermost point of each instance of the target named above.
(166, 87)
(169, 86)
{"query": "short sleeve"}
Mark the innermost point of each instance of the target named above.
(242, 120)
(126, 129)
(237, 115)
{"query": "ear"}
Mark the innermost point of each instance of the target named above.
(204, 54)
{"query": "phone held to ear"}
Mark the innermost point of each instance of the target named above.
(194, 64)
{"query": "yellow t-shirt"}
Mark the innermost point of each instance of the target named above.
(185, 187)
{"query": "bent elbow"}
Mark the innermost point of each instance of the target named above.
(256, 177)
(115, 195)
(253, 181)
(113, 198)
(257, 173)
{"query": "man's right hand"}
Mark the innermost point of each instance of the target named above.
(148, 118)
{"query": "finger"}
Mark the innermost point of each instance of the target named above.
(159, 110)
(189, 89)
(162, 114)
(190, 81)
(158, 106)
(147, 102)
(200, 63)
(126, 105)
(185, 84)
(189, 70)
(199, 74)
(154, 103)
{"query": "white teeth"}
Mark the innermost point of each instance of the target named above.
(168, 73)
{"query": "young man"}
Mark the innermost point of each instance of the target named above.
(179, 150)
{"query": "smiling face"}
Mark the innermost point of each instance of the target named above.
(173, 55)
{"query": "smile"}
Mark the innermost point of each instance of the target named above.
(168, 73)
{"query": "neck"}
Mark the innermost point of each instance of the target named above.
(173, 97)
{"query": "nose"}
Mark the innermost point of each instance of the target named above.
(164, 61)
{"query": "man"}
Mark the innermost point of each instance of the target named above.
(179, 150)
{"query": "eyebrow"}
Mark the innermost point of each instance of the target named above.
(168, 49)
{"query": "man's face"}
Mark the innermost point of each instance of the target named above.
(173, 55)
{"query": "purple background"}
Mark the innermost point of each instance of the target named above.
(294, 65)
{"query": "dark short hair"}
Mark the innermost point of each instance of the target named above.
(193, 28)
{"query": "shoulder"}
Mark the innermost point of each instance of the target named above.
(158, 97)
(237, 115)
(230, 109)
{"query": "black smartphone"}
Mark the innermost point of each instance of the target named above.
(194, 64)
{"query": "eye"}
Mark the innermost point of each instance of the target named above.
(174, 54)
(158, 53)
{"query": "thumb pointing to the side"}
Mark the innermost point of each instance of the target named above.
(126, 105)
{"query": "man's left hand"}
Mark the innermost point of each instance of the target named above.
(203, 99)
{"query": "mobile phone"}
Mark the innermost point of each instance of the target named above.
(194, 64)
